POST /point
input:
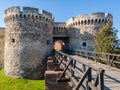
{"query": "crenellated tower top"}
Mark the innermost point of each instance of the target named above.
(15, 13)
(98, 18)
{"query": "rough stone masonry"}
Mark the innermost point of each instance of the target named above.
(30, 36)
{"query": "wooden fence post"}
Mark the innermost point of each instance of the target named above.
(101, 79)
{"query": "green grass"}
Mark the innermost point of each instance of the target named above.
(7, 83)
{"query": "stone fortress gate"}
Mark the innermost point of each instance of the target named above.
(30, 36)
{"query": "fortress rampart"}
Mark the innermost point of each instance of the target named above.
(29, 35)
(28, 13)
(81, 29)
(60, 28)
(94, 19)
(26, 41)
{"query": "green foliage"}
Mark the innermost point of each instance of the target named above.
(106, 40)
(7, 83)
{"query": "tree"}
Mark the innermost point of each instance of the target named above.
(106, 40)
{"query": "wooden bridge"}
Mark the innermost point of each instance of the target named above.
(83, 70)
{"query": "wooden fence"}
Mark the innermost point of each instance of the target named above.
(79, 74)
(105, 58)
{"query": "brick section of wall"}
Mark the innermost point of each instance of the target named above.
(51, 81)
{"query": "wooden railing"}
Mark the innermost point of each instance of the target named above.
(105, 58)
(79, 74)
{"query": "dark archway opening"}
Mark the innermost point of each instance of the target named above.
(60, 44)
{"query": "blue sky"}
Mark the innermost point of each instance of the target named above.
(64, 9)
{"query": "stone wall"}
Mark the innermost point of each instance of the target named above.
(29, 38)
(81, 29)
(60, 29)
(28, 42)
(2, 44)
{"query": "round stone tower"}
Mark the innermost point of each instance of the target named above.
(82, 28)
(28, 42)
